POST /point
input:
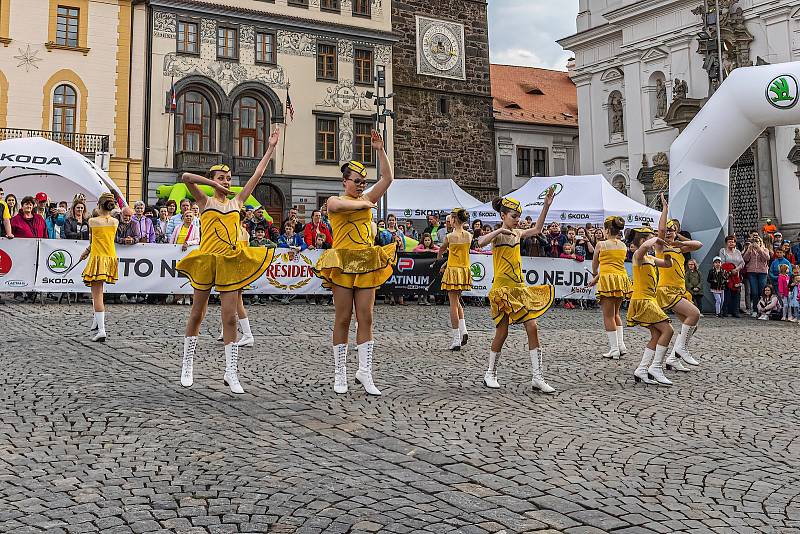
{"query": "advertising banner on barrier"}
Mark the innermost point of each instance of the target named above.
(568, 276)
(53, 265)
(18, 264)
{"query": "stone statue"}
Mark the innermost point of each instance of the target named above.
(680, 90)
(661, 99)
(661, 159)
(617, 114)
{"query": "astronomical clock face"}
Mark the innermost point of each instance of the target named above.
(440, 48)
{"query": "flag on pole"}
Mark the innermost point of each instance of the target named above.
(173, 103)
(289, 106)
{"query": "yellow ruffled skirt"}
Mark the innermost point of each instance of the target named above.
(520, 303)
(457, 279)
(225, 272)
(614, 285)
(645, 312)
(365, 268)
(669, 296)
(101, 269)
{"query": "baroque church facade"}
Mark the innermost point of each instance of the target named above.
(644, 69)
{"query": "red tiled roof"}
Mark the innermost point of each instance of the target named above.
(516, 96)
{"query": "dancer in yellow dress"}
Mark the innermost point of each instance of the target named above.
(221, 262)
(644, 309)
(355, 267)
(613, 284)
(457, 276)
(512, 300)
(102, 265)
(672, 294)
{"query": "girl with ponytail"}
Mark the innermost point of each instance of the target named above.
(457, 276)
(102, 265)
(613, 284)
(512, 300)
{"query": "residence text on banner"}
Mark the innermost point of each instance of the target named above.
(18, 264)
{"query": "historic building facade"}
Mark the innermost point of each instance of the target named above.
(536, 124)
(65, 74)
(218, 79)
(644, 69)
(443, 93)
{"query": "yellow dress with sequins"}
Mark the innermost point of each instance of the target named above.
(510, 296)
(354, 261)
(457, 276)
(643, 309)
(223, 261)
(102, 265)
(613, 279)
(672, 280)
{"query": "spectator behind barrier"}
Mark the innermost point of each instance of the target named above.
(260, 239)
(188, 233)
(56, 217)
(433, 227)
(77, 224)
(27, 223)
(127, 231)
(426, 244)
(316, 227)
(160, 225)
(5, 218)
(290, 239)
(11, 202)
(144, 224)
(177, 219)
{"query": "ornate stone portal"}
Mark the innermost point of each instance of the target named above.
(654, 178)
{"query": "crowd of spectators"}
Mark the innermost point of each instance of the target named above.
(758, 274)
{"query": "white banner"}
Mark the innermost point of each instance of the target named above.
(18, 264)
(569, 277)
(146, 268)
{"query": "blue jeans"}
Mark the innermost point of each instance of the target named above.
(758, 281)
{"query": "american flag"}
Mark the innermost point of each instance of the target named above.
(289, 106)
(173, 104)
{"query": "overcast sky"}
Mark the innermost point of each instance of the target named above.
(523, 32)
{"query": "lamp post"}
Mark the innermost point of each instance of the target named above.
(380, 99)
(719, 43)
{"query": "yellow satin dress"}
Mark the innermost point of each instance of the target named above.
(354, 261)
(510, 296)
(643, 309)
(672, 280)
(102, 265)
(222, 260)
(457, 276)
(613, 279)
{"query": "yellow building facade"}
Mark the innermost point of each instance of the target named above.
(65, 74)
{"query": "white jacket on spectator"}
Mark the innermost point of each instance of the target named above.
(192, 238)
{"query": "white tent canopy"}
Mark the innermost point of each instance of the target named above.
(415, 199)
(579, 200)
(33, 164)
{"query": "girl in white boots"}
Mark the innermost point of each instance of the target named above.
(511, 299)
(221, 262)
(457, 276)
(644, 309)
(613, 284)
(102, 265)
(354, 267)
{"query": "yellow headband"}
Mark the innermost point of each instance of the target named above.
(219, 167)
(358, 167)
(671, 224)
(609, 219)
(512, 204)
(645, 230)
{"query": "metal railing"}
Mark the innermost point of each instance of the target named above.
(86, 144)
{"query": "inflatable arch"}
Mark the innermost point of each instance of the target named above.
(750, 100)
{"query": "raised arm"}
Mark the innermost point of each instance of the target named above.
(662, 222)
(193, 180)
(488, 238)
(537, 228)
(251, 184)
(386, 177)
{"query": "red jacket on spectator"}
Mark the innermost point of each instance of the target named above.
(310, 234)
(35, 227)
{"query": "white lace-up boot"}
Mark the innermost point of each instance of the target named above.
(490, 378)
(613, 342)
(640, 374)
(231, 377)
(364, 373)
(455, 344)
(623, 350)
(187, 370)
(655, 371)
(462, 327)
(100, 319)
(247, 334)
(538, 372)
(340, 368)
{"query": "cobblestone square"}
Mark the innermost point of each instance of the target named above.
(102, 437)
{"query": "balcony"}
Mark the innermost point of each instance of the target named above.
(197, 162)
(86, 144)
(245, 167)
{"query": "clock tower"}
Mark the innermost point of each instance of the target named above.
(440, 71)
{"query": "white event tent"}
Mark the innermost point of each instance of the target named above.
(416, 198)
(32, 164)
(579, 200)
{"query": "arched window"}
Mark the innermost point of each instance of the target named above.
(193, 123)
(250, 127)
(65, 108)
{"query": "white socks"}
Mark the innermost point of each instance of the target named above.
(244, 324)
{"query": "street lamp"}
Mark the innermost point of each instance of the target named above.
(380, 99)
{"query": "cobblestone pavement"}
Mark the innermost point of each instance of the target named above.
(102, 438)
